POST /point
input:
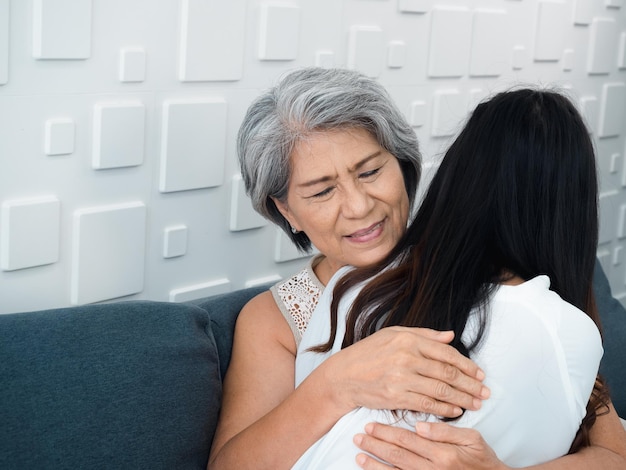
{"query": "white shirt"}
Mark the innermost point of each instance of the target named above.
(540, 355)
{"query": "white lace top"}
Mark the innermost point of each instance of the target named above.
(297, 297)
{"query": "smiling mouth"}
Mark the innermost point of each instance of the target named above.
(367, 231)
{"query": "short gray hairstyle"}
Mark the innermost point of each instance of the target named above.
(310, 100)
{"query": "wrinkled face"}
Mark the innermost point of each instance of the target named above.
(347, 194)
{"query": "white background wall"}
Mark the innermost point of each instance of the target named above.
(118, 173)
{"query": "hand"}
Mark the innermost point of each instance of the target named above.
(433, 446)
(406, 368)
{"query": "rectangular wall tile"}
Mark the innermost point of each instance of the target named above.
(212, 40)
(193, 144)
(603, 42)
(242, 214)
(198, 291)
(62, 29)
(118, 134)
(4, 41)
(279, 31)
(108, 252)
(551, 30)
(29, 232)
(612, 110)
(449, 50)
(490, 55)
(366, 50)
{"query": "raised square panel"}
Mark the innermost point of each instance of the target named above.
(29, 233)
(396, 54)
(132, 64)
(193, 144)
(449, 109)
(589, 110)
(449, 50)
(621, 55)
(366, 50)
(612, 110)
(197, 291)
(602, 42)
(614, 3)
(108, 252)
(59, 136)
(61, 29)
(476, 95)
(489, 53)
(583, 11)
(4, 41)
(242, 214)
(551, 31)
(414, 6)
(568, 60)
(285, 250)
(279, 31)
(175, 241)
(418, 113)
(272, 279)
(325, 59)
(519, 58)
(212, 40)
(616, 159)
(608, 221)
(621, 229)
(118, 135)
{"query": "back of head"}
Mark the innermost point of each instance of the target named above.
(311, 100)
(516, 194)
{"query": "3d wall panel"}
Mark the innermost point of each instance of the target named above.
(119, 176)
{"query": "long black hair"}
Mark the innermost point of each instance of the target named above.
(515, 195)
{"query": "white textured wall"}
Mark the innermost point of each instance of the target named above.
(118, 174)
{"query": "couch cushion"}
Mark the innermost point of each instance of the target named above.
(223, 310)
(127, 385)
(613, 318)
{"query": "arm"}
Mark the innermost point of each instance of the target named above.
(266, 423)
(441, 446)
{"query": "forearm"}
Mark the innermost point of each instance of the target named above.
(589, 457)
(279, 438)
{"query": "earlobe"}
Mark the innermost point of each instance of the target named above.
(283, 208)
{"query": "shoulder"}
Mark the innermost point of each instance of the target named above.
(261, 320)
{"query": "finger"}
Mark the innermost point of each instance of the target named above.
(394, 446)
(368, 463)
(445, 433)
(438, 398)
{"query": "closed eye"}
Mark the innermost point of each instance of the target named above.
(369, 174)
(323, 193)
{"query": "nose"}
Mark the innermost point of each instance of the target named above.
(357, 202)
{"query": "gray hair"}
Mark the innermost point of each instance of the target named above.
(310, 100)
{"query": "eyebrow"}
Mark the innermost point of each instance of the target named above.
(355, 168)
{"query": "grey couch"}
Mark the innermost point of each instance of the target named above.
(137, 384)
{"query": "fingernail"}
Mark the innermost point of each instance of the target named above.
(360, 460)
(485, 392)
(477, 403)
(480, 375)
(457, 411)
(358, 439)
(422, 428)
(369, 427)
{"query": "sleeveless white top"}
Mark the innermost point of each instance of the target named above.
(297, 297)
(540, 355)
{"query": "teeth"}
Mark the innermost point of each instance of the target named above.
(360, 234)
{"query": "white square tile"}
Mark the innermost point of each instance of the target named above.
(175, 241)
(118, 135)
(621, 54)
(193, 144)
(108, 252)
(4, 41)
(366, 50)
(284, 249)
(414, 6)
(29, 233)
(519, 58)
(602, 41)
(59, 136)
(242, 214)
(325, 59)
(489, 55)
(198, 291)
(612, 110)
(396, 57)
(62, 29)
(279, 31)
(551, 30)
(418, 113)
(589, 110)
(212, 40)
(449, 51)
(568, 60)
(132, 64)
(583, 11)
(614, 3)
(449, 110)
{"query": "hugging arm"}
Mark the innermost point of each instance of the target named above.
(266, 422)
(442, 446)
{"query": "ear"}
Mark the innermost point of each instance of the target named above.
(283, 208)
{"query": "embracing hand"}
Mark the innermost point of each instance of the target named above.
(406, 369)
(433, 446)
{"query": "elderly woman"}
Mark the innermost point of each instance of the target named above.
(328, 157)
